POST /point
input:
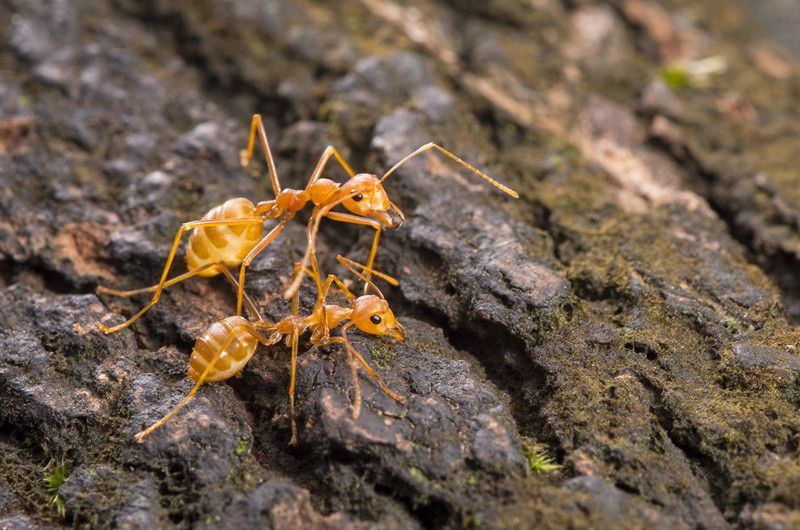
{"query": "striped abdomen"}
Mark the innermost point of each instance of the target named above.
(232, 360)
(224, 244)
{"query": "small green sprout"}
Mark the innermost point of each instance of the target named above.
(539, 460)
(53, 481)
(472, 480)
(675, 76)
(241, 447)
(698, 73)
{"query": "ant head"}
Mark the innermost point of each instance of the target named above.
(372, 315)
(369, 199)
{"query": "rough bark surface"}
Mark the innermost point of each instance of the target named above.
(633, 311)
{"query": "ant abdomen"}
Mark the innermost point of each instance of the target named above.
(239, 350)
(224, 244)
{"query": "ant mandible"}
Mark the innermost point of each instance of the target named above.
(227, 345)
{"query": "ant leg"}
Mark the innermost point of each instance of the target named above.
(313, 228)
(356, 219)
(264, 243)
(250, 305)
(293, 372)
(370, 371)
(320, 287)
(296, 297)
(256, 125)
(323, 161)
(342, 287)
(203, 223)
(169, 283)
(445, 152)
(315, 272)
(185, 276)
(371, 260)
(311, 233)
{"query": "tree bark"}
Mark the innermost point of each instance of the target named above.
(633, 314)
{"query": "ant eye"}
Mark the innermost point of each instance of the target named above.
(375, 319)
(358, 197)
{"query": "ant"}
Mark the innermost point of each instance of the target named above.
(230, 234)
(227, 345)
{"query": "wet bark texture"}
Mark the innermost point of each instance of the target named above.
(633, 311)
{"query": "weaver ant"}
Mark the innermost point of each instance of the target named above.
(227, 345)
(231, 234)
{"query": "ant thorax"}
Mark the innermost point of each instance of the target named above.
(322, 191)
(334, 315)
(292, 200)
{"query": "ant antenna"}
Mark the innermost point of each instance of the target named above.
(385, 277)
(350, 265)
(429, 146)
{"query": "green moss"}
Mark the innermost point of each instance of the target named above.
(793, 392)
(676, 77)
(382, 355)
(53, 479)
(242, 446)
(732, 326)
(539, 460)
(417, 474)
(472, 480)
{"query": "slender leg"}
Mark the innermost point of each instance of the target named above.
(315, 274)
(160, 287)
(152, 288)
(256, 125)
(370, 371)
(264, 243)
(323, 339)
(323, 161)
(185, 276)
(332, 278)
(296, 297)
(292, 375)
(370, 262)
(429, 146)
(357, 219)
(312, 229)
(250, 305)
(311, 234)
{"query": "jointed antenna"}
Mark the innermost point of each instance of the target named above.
(429, 146)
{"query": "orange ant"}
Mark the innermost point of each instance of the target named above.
(231, 234)
(226, 347)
